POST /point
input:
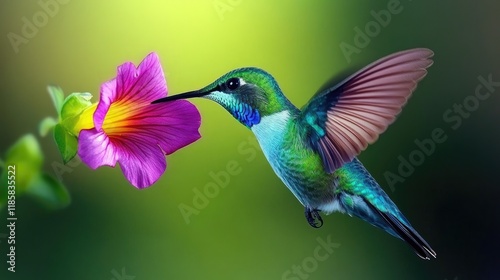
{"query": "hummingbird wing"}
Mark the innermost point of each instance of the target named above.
(341, 121)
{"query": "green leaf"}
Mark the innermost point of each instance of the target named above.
(74, 104)
(46, 125)
(49, 192)
(23, 162)
(57, 96)
(66, 142)
(73, 107)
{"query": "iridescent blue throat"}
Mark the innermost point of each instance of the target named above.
(245, 114)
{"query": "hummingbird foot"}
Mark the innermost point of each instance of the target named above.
(313, 217)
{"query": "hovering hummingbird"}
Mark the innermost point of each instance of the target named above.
(313, 150)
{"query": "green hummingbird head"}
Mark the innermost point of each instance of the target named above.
(247, 93)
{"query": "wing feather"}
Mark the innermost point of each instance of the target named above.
(341, 121)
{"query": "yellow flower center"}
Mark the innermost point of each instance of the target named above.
(120, 118)
(117, 120)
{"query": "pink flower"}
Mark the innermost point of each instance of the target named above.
(130, 130)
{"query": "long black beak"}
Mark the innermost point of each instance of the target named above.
(186, 95)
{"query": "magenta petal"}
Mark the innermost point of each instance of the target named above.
(141, 85)
(141, 164)
(108, 90)
(171, 125)
(133, 132)
(144, 84)
(95, 148)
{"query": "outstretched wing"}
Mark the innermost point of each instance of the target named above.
(341, 121)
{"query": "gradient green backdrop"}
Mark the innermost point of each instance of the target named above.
(254, 228)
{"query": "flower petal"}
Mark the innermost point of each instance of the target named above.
(108, 92)
(173, 125)
(95, 148)
(141, 164)
(131, 131)
(144, 84)
(140, 85)
(141, 161)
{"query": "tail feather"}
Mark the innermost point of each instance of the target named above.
(408, 234)
(361, 196)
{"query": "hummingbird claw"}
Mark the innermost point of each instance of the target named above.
(313, 217)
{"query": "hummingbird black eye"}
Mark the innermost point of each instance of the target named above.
(233, 83)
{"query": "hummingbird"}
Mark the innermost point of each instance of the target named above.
(313, 150)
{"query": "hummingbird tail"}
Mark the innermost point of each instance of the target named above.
(408, 234)
(362, 197)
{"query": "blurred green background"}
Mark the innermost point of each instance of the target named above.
(254, 228)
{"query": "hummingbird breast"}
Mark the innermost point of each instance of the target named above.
(299, 167)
